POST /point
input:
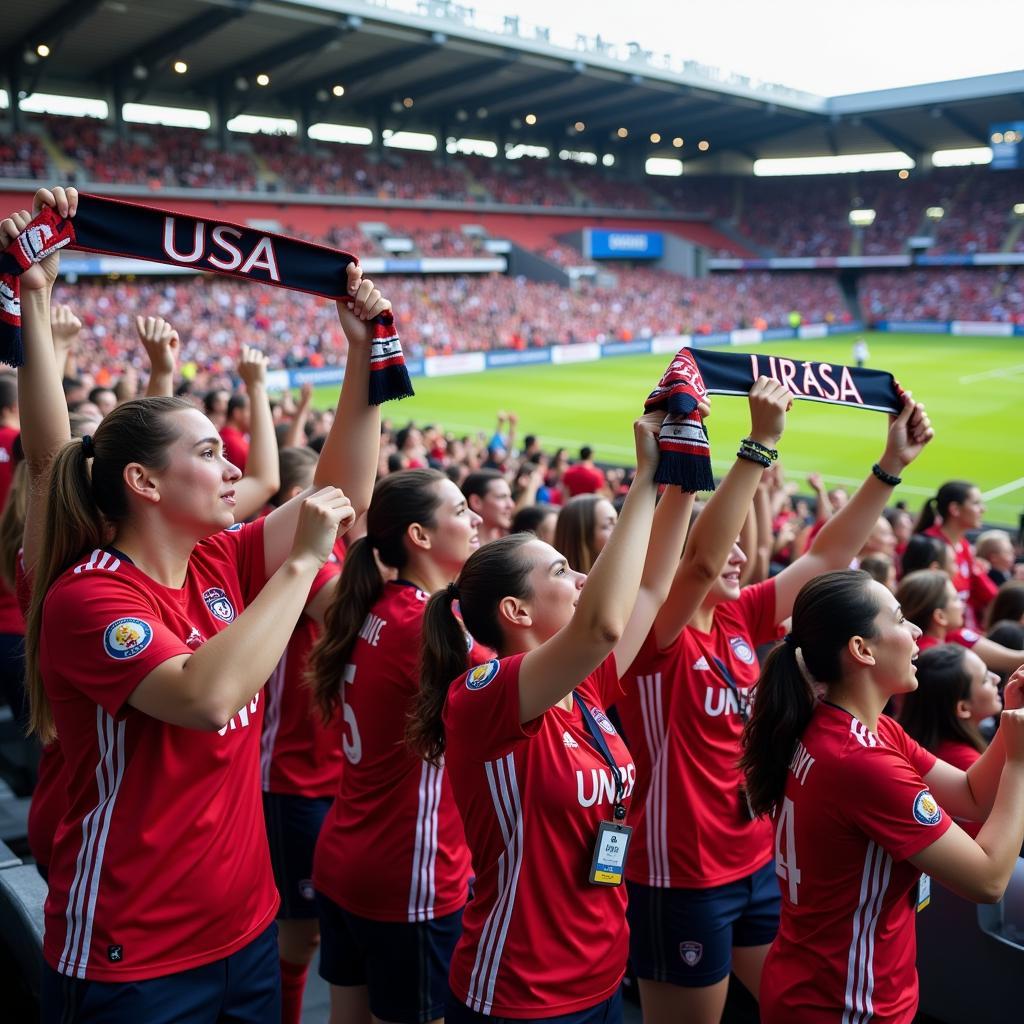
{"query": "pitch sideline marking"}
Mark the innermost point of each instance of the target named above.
(998, 492)
(999, 371)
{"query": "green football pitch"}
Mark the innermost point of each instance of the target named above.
(971, 386)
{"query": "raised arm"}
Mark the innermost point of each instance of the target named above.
(296, 435)
(262, 468)
(44, 412)
(203, 690)
(551, 671)
(980, 869)
(162, 345)
(349, 456)
(719, 523)
(845, 533)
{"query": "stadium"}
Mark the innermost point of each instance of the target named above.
(551, 217)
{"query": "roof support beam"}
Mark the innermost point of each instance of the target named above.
(902, 142)
(967, 126)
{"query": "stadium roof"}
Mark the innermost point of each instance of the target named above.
(465, 80)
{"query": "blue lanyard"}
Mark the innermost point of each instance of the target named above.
(599, 741)
(741, 701)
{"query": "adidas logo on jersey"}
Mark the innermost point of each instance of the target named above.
(569, 741)
(701, 665)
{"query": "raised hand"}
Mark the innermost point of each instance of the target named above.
(161, 342)
(367, 303)
(769, 402)
(64, 325)
(909, 432)
(322, 517)
(252, 367)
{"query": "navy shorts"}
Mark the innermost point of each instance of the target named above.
(293, 824)
(686, 936)
(608, 1012)
(404, 965)
(244, 988)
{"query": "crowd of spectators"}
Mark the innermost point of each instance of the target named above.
(438, 314)
(944, 294)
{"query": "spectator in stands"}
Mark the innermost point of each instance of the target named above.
(104, 399)
(1008, 604)
(490, 497)
(585, 523)
(996, 548)
(881, 540)
(882, 568)
(215, 405)
(235, 432)
(583, 477)
(840, 779)
(10, 427)
(539, 519)
(924, 552)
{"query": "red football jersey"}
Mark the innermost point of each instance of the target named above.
(973, 585)
(856, 808)
(392, 846)
(684, 725)
(160, 863)
(299, 755)
(538, 940)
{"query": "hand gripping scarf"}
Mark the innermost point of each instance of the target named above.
(694, 374)
(116, 228)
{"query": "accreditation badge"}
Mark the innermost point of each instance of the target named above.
(922, 892)
(609, 864)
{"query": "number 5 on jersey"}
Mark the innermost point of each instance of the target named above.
(785, 861)
(351, 744)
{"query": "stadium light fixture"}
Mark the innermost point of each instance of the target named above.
(481, 112)
(580, 126)
(263, 79)
(531, 119)
(935, 213)
(678, 142)
(43, 50)
(665, 166)
(703, 145)
(904, 174)
(655, 137)
(997, 137)
(338, 90)
(180, 67)
(407, 102)
(862, 218)
(1018, 209)
(623, 133)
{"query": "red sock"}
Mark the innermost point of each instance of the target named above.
(293, 984)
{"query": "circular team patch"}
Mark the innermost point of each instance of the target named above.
(477, 678)
(602, 720)
(742, 649)
(220, 604)
(124, 638)
(926, 810)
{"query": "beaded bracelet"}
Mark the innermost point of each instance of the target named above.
(886, 478)
(753, 456)
(768, 453)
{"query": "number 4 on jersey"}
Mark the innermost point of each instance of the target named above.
(785, 863)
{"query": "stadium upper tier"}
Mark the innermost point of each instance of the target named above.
(955, 210)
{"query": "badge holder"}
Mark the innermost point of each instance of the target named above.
(922, 893)
(609, 864)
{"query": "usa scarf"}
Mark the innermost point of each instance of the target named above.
(117, 228)
(694, 374)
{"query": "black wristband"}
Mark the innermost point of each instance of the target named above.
(769, 453)
(753, 456)
(886, 478)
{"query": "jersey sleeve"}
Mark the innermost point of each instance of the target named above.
(241, 545)
(482, 713)
(922, 760)
(756, 607)
(887, 799)
(104, 637)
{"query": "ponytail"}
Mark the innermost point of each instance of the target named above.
(399, 500)
(73, 525)
(951, 492)
(829, 610)
(358, 591)
(926, 520)
(494, 571)
(784, 704)
(444, 658)
(83, 506)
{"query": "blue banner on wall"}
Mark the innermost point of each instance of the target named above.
(606, 244)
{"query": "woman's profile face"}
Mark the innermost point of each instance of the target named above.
(605, 518)
(983, 700)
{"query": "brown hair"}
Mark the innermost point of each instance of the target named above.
(921, 593)
(83, 507)
(399, 500)
(494, 571)
(574, 531)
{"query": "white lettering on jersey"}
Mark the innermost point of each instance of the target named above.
(370, 629)
(240, 719)
(720, 700)
(602, 785)
(801, 764)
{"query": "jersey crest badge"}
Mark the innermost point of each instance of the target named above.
(220, 604)
(926, 810)
(691, 953)
(124, 638)
(602, 720)
(477, 678)
(742, 649)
